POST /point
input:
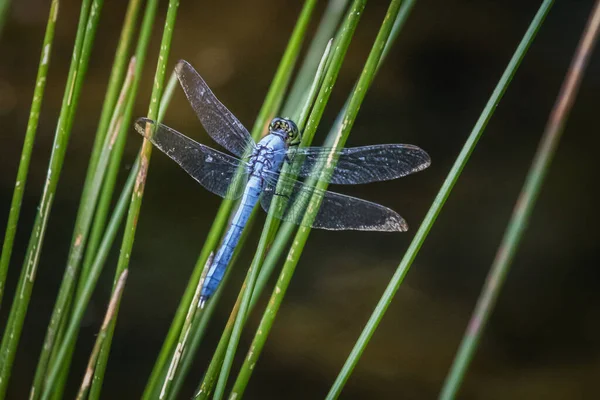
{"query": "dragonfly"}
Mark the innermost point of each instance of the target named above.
(252, 173)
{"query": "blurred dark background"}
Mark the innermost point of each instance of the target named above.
(543, 340)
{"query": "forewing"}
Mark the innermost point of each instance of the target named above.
(336, 212)
(218, 121)
(357, 165)
(214, 170)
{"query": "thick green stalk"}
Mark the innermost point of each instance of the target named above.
(83, 44)
(136, 198)
(32, 123)
(110, 312)
(523, 208)
(437, 205)
(340, 47)
(269, 108)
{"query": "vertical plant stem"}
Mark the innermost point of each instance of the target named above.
(32, 124)
(140, 55)
(523, 208)
(110, 176)
(82, 223)
(269, 108)
(83, 44)
(183, 337)
(438, 203)
(136, 198)
(110, 100)
(340, 47)
(325, 31)
(69, 342)
(110, 312)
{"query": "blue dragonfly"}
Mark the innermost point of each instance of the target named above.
(254, 173)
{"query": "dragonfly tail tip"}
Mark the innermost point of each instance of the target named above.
(202, 301)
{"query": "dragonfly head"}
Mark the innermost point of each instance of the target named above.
(286, 129)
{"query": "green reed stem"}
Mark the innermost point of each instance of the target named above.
(145, 152)
(269, 108)
(523, 208)
(71, 333)
(110, 177)
(110, 313)
(437, 205)
(32, 124)
(81, 53)
(110, 100)
(325, 31)
(82, 224)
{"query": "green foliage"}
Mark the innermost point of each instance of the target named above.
(88, 22)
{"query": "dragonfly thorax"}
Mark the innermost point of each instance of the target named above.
(268, 155)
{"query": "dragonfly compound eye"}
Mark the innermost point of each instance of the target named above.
(285, 126)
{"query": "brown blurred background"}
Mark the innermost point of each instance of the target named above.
(542, 341)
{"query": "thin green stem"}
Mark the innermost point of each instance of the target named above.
(145, 153)
(523, 208)
(183, 337)
(32, 123)
(325, 31)
(212, 372)
(269, 108)
(110, 100)
(437, 205)
(81, 53)
(110, 312)
(340, 48)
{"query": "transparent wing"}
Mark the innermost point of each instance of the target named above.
(357, 165)
(337, 211)
(218, 121)
(214, 170)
